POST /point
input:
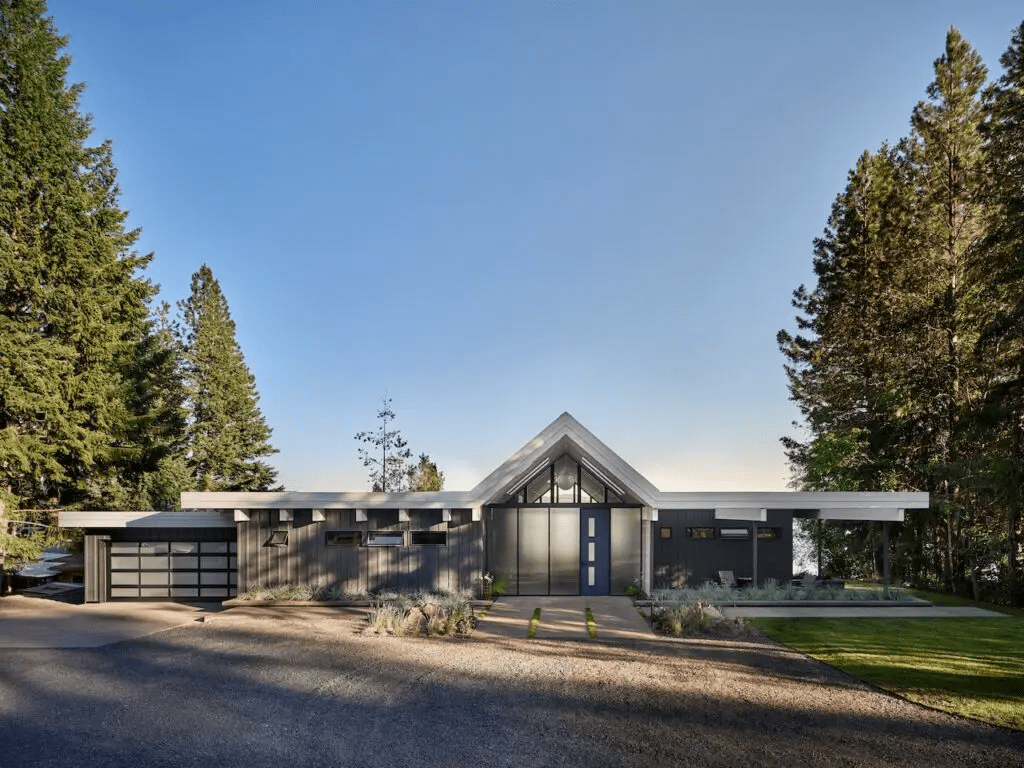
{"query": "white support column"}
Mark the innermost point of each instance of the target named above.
(446, 515)
(318, 516)
(478, 514)
(403, 515)
(360, 515)
(241, 516)
(753, 535)
(284, 515)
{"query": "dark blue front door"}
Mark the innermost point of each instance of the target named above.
(595, 550)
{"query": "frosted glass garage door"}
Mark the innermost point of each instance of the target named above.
(173, 569)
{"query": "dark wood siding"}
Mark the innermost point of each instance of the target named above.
(680, 561)
(359, 569)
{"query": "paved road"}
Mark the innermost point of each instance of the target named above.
(253, 688)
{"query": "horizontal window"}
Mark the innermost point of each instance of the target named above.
(769, 533)
(343, 538)
(385, 538)
(735, 534)
(429, 538)
(700, 533)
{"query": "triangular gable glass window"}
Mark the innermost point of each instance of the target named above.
(565, 482)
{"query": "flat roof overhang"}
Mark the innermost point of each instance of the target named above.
(327, 500)
(184, 519)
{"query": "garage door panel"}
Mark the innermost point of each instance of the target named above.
(178, 569)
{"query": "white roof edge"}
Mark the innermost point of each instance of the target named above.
(326, 500)
(797, 499)
(166, 519)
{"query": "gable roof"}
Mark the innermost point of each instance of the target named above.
(565, 435)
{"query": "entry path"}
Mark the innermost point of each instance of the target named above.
(564, 618)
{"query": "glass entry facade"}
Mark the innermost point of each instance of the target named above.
(537, 550)
(535, 545)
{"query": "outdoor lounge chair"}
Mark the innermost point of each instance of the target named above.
(726, 579)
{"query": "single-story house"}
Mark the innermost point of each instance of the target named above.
(564, 515)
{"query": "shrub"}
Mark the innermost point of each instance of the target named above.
(697, 618)
(430, 613)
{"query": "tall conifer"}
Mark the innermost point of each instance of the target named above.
(945, 282)
(1001, 415)
(226, 434)
(72, 308)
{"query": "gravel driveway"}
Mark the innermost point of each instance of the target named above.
(302, 687)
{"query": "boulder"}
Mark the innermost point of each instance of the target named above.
(415, 623)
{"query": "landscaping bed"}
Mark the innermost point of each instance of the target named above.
(389, 613)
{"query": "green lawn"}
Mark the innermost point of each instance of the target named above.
(971, 667)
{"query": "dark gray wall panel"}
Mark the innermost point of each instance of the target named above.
(680, 561)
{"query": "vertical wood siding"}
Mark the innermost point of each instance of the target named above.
(355, 570)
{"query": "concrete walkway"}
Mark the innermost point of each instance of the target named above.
(30, 622)
(854, 611)
(564, 618)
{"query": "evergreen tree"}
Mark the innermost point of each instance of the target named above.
(390, 472)
(156, 468)
(845, 364)
(1001, 414)
(425, 476)
(226, 434)
(72, 309)
(884, 368)
(944, 286)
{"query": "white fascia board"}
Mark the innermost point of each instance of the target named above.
(185, 519)
(862, 515)
(792, 500)
(326, 500)
(750, 514)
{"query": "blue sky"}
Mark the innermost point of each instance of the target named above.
(497, 212)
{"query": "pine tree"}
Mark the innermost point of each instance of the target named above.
(1001, 414)
(155, 468)
(845, 364)
(72, 308)
(425, 476)
(944, 285)
(390, 472)
(227, 436)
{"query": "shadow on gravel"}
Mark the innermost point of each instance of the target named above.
(263, 692)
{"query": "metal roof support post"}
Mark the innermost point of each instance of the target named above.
(753, 536)
(885, 555)
(820, 525)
